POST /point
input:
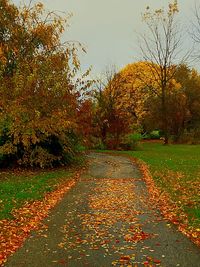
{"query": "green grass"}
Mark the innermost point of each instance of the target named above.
(183, 158)
(176, 170)
(16, 189)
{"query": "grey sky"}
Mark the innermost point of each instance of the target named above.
(107, 27)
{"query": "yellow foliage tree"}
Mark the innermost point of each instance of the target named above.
(137, 90)
(39, 90)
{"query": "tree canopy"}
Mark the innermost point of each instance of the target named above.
(39, 88)
(48, 107)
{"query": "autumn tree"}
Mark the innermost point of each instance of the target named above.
(109, 116)
(87, 128)
(177, 114)
(161, 50)
(190, 85)
(39, 91)
(184, 102)
(142, 106)
(135, 78)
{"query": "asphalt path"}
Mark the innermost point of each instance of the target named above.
(107, 220)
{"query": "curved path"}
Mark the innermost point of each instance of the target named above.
(107, 220)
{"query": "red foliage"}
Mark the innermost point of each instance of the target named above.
(85, 121)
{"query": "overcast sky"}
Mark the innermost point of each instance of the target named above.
(107, 28)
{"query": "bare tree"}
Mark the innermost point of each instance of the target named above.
(195, 32)
(161, 50)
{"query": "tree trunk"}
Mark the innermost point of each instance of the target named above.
(164, 115)
(104, 134)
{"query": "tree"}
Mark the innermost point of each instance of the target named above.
(195, 32)
(39, 91)
(86, 126)
(161, 50)
(190, 86)
(109, 116)
(143, 106)
(135, 78)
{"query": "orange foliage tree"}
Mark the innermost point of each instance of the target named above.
(39, 91)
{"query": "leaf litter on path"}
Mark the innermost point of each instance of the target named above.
(169, 209)
(111, 224)
(113, 221)
(27, 218)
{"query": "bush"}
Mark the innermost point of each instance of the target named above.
(155, 134)
(51, 151)
(41, 88)
(80, 148)
(112, 143)
(131, 142)
(135, 137)
(152, 135)
(96, 143)
(100, 145)
(146, 136)
(39, 157)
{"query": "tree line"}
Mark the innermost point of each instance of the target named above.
(49, 109)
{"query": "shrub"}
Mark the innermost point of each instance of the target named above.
(80, 148)
(146, 136)
(131, 141)
(49, 152)
(38, 157)
(152, 135)
(155, 134)
(96, 143)
(100, 145)
(112, 143)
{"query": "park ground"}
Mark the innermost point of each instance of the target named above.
(172, 176)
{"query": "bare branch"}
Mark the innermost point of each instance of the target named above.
(161, 50)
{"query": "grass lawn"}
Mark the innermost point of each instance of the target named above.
(176, 170)
(16, 188)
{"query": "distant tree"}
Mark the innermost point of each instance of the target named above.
(177, 116)
(109, 115)
(195, 32)
(161, 50)
(140, 98)
(183, 116)
(133, 94)
(190, 85)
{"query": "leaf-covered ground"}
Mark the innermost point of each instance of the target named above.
(107, 219)
(19, 187)
(25, 201)
(175, 170)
